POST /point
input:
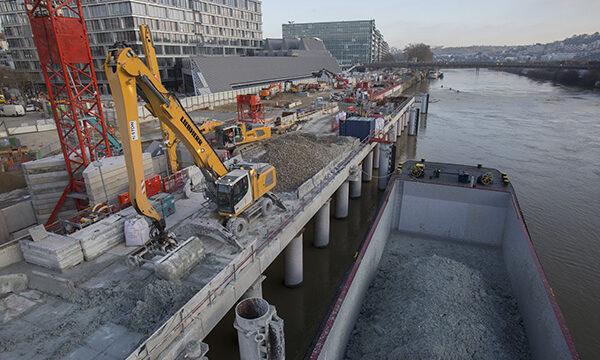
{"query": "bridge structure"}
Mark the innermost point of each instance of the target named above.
(593, 65)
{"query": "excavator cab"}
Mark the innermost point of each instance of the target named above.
(234, 193)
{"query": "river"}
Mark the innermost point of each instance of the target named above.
(547, 138)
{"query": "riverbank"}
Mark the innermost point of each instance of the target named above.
(589, 79)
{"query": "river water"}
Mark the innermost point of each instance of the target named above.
(547, 138)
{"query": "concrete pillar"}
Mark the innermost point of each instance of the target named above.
(424, 104)
(255, 291)
(355, 189)
(367, 168)
(341, 200)
(322, 225)
(293, 263)
(399, 127)
(384, 166)
(413, 123)
(355, 182)
(394, 133)
(376, 157)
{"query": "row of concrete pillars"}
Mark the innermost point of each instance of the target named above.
(379, 158)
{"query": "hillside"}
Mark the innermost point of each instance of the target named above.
(579, 47)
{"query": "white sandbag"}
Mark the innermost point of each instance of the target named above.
(137, 231)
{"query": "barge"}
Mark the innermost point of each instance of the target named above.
(447, 270)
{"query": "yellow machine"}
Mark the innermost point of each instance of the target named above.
(240, 192)
(229, 137)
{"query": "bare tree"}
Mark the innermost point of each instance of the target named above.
(418, 52)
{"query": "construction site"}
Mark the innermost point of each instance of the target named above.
(159, 215)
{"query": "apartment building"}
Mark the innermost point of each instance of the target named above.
(180, 28)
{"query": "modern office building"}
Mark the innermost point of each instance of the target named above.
(180, 28)
(350, 42)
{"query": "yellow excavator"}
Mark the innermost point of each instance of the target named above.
(240, 192)
(232, 136)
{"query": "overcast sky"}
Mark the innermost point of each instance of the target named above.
(447, 22)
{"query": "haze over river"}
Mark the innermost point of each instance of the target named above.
(547, 138)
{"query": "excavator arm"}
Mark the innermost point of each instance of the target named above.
(152, 63)
(126, 73)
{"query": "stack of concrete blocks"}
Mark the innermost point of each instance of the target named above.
(53, 251)
(98, 238)
(46, 180)
(114, 175)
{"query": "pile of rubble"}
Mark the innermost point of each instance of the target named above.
(299, 156)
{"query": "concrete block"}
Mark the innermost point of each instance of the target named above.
(54, 252)
(51, 284)
(38, 233)
(13, 283)
(14, 305)
(18, 216)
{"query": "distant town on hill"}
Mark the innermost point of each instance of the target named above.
(576, 48)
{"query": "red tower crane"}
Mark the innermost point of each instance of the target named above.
(60, 36)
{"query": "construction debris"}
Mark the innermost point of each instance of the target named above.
(299, 156)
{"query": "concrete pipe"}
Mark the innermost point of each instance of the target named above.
(367, 168)
(342, 198)
(322, 226)
(293, 273)
(260, 330)
(413, 122)
(376, 157)
(384, 166)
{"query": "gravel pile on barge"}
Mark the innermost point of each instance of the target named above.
(422, 305)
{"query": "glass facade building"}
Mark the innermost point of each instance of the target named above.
(180, 28)
(350, 42)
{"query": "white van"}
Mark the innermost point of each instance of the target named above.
(12, 110)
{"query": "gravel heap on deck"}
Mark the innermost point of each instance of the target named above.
(433, 307)
(299, 156)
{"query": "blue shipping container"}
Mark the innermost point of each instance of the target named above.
(359, 127)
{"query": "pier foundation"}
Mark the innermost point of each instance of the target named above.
(293, 273)
(342, 197)
(255, 291)
(376, 157)
(384, 166)
(322, 225)
(367, 168)
(355, 182)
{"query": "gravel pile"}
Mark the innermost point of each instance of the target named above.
(433, 307)
(299, 156)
